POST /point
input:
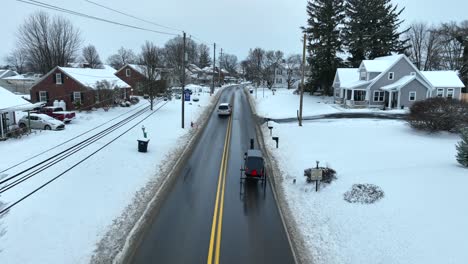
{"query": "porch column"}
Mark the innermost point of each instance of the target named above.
(352, 95)
(390, 97)
(1, 125)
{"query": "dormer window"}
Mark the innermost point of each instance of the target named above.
(363, 76)
(391, 75)
(58, 78)
(127, 72)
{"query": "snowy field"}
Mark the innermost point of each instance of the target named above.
(63, 222)
(422, 217)
(268, 104)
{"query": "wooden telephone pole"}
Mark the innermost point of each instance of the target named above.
(302, 81)
(183, 84)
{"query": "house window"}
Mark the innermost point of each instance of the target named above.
(379, 96)
(413, 73)
(450, 92)
(363, 76)
(77, 97)
(127, 72)
(391, 75)
(359, 96)
(43, 96)
(440, 92)
(412, 96)
(58, 78)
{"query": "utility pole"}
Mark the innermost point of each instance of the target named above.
(220, 64)
(183, 84)
(214, 64)
(302, 81)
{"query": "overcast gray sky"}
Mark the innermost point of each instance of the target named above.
(235, 25)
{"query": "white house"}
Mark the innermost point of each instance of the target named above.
(392, 82)
(9, 103)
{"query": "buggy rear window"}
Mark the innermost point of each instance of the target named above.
(254, 163)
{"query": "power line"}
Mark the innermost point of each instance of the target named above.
(6, 209)
(68, 11)
(132, 16)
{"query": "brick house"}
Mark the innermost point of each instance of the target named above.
(84, 86)
(135, 75)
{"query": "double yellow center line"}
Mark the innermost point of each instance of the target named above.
(216, 227)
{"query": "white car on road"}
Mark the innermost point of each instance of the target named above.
(41, 121)
(224, 109)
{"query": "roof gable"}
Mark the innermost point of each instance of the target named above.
(395, 61)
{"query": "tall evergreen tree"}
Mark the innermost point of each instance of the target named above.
(324, 42)
(205, 59)
(372, 29)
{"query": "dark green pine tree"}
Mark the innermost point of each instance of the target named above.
(462, 148)
(324, 42)
(371, 30)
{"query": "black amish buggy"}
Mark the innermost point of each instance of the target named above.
(254, 166)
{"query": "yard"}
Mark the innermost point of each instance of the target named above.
(422, 216)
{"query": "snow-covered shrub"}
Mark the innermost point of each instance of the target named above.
(328, 175)
(364, 193)
(439, 114)
(462, 148)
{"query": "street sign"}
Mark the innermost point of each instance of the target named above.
(187, 96)
(316, 174)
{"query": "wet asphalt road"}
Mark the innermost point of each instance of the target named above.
(252, 231)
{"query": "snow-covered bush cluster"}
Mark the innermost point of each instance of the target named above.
(364, 193)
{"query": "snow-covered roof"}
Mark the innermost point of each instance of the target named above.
(355, 84)
(7, 73)
(347, 75)
(19, 78)
(90, 77)
(443, 79)
(380, 64)
(139, 68)
(400, 83)
(11, 102)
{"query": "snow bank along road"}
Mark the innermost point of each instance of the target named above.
(205, 218)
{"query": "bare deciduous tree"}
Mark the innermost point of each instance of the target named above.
(91, 57)
(204, 54)
(229, 63)
(17, 58)
(151, 60)
(271, 63)
(122, 57)
(293, 68)
(48, 42)
(173, 54)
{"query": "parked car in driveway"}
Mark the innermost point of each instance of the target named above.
(41, 121)
(58, 113)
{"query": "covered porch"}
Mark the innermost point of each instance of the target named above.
(355, 98)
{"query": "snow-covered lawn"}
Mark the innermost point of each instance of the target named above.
(285, 104)
(63, 222)
(421, 219)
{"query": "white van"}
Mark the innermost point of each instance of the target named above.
(224, 109)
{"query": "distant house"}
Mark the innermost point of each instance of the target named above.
(7, 73)
(281, 76)
(79, 86)
(135, 75)
(9, 103)
(392, 82)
